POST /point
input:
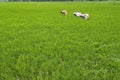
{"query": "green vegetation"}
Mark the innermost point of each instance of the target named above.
(50, 0)
(39, 43)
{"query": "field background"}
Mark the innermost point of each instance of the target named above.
(38, 43)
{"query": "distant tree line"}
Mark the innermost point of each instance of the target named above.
(50, 0)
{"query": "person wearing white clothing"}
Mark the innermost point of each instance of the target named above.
(77, 13)
(84, 16)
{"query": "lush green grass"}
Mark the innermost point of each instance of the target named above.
(38, 43)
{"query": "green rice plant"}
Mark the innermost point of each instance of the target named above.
(39, 43)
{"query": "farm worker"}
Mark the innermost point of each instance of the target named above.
(64, 12)
(77, 13)
(85, 16)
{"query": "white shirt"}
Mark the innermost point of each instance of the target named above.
(85, 16)
(77, 13)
